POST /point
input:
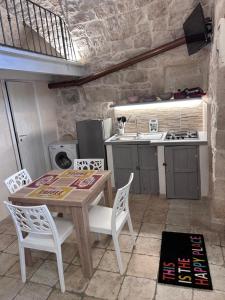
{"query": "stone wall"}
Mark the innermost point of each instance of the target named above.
(107, 32)
(216, 124)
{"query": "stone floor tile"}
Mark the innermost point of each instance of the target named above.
(134, 288)
(154, 217)
(126, 243)
(14, 271)
(136, 227)
(218, 277)
(152, 230)
(39, 254)
(109, 261)
(96, 253)
(136, 215)
(6, 262)
(179, 203)
(33, 291)
(47, 273)
(74, 280)
(209, 295)
(13, 248)
(167, 292)
(222, 239)
(178, 219)
(148, 246)
(176, 228)
(143, 266)
(89, 298)
(57, 295)
(10, 229)
(104, 241)
(69, 251)
(9, 287)
(6, 240)
(215, 255)
(105, 285)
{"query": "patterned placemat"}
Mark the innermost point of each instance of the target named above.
(50, 192)
(43, 180)
(87, 183)
(77, 173)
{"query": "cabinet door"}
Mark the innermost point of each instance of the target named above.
(148, 164)
(125, 161)
(182, 172)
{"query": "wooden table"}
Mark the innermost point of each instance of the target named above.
(76, 204)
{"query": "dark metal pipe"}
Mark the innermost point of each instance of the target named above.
(129, 62)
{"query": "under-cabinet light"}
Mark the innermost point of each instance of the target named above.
(163, 104)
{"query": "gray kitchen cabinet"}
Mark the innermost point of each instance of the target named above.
(182, 172)
(148, 163)
(142, 161)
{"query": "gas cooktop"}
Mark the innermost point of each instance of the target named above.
(182, 135)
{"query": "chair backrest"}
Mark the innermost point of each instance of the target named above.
(18, 180)
(32, 219)
(89, 164)
(121, 201)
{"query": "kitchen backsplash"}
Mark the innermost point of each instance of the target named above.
(169, 118)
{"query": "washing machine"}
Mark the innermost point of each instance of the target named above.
(62, 154)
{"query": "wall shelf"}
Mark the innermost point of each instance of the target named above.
(158, 102)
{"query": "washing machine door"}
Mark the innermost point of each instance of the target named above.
(62, 160)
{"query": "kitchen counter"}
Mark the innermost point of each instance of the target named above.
(115, 139)
(160, 145)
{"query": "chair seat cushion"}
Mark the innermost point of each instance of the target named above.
(46, 242)
(100, 219)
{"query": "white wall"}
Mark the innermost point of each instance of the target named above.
(46, 103)
(8, 160)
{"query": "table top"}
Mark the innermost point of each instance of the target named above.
(63, 188)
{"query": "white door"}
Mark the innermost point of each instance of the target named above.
(8, 160)
(27, 127)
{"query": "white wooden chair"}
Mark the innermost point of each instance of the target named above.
(43, 233)
(111, 220)
(91, 164)
(18, 180)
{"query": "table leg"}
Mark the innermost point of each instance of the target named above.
(28, 257)
(81, 222)
(108, 193)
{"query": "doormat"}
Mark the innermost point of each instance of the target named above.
(183, 261)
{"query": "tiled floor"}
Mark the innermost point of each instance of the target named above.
(150, 216)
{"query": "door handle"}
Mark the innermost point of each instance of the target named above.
(21, 136)
(164, 164)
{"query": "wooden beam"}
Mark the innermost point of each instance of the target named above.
(129, 62)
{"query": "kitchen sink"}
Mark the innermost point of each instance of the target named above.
(139, 137)
(150, 136)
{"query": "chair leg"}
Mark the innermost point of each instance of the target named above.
(98, 237)
(22, 263)
(118, 253)
(60, 269)
(130, 226)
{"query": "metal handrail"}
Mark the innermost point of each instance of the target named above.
(28, 26)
